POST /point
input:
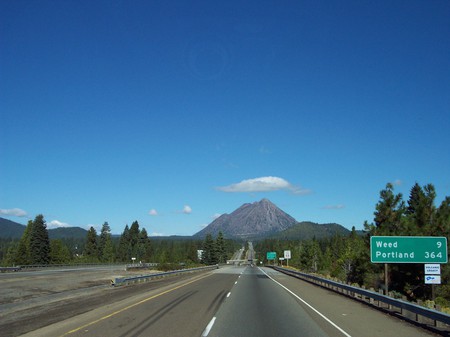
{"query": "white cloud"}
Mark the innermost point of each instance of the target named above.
(57, 224)
(338, 206)
(153, 212)
(13, 212)
(187, 209)
(263, 184)
(157, 234)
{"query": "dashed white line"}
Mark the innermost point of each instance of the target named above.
(229, 294)
(208, 327)
(306, 303)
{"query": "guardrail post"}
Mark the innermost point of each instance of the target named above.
(418, 317)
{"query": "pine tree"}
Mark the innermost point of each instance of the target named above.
(23, 256)
(91, 249)
(59, 253)
(123, 253)
(389, 212)
(421, 210)
(108, 250)
(442, 222)
(220, 249)
(209, 251)
(105, 235)
(145, 246)
(134, 240)
(39, 241)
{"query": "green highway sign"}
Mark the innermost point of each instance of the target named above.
(271, 255)
(408, 249)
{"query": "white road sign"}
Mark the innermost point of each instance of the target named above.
(432, 269)
(287, 254)
(432, 279)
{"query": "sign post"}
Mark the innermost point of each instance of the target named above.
(432, 276)
(408, 249)
(429, 250)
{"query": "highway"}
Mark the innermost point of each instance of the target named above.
(245, 301)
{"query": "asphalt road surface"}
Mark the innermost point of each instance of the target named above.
(234, 301)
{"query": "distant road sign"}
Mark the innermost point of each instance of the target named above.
(271, 255)
(408, 249)
(287, 254)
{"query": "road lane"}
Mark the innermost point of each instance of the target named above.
(181, 309)
(258, 307)
(234, 301)
(357, 319)
(262, 303)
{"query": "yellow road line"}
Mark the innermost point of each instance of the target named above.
(133, 305)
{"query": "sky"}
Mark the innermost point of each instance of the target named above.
(171, 113)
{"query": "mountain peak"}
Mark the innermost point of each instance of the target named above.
(250, 220)
(266, 201)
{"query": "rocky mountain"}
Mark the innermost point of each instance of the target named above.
(253, 220)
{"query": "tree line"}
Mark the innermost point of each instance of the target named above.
(347, 258)
(133, 245)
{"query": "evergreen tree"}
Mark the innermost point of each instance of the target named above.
(441, 225)
(91, 249)
(221, 253)
(105, 235)
(23, 255)
(11, 254)
(59, 253)
(145, 246)
(108, 250)
(209, 251)
(39, 241)
(191, 250)
(389, 212)
(352, 258)
(123, 253)
(134, 240)
(421, 210)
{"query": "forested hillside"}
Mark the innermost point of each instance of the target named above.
(36, 246)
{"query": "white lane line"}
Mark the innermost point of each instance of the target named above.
(229, 294)
(235, 282)
(309, 305)
(208, 327)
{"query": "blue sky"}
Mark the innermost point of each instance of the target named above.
(172, 112)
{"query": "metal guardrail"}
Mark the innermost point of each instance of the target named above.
(9, 269)
(372, 296)
(74, 265)
(144, 278)
(140, 266)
